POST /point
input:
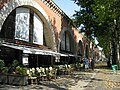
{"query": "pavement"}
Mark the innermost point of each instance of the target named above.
(99, 79)
(64, 82)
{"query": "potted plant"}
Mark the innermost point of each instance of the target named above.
(3, 72)
(19, 75)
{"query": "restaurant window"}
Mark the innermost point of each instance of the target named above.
(22, 24)
(25, 25)
(37, 30)
(65, 44)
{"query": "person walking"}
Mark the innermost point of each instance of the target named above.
(86, 64)
(92, 64)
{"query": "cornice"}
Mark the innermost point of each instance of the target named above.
(51, 4)
(54, 7)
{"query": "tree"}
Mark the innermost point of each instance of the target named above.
(108, 14)
(85, 17)
(101, 19)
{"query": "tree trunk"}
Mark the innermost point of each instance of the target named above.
(114, 53)
(114, 46)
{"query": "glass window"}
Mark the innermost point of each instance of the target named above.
(25, 25)
(38, 30)
(22, 24)
(65, 42)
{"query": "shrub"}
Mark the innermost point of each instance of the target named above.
(21, 70)
(3, 69)
(2, 64)
(13, 66)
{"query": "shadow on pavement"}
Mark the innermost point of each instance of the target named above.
(97, 79)
(51, 85)
(102, 65)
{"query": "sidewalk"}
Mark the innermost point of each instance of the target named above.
(65, 82)
(81, 84)
(99, 79)
(105, 80)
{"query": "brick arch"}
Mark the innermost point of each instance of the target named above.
(80, 47)
(87, 51)
(71, 37)
(9, 7)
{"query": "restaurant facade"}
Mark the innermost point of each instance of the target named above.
(38, 33)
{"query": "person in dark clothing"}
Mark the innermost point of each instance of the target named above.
(92, 64)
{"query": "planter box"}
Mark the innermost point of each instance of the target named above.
(3, 79)
(19, 80)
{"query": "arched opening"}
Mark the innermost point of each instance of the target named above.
(67, 48)
(80, 51)
(65, 42)
(27, 32)
(87, 51)
(26, 25)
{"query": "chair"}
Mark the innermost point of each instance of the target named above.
(43, 75)
(32, 79)
(52, 73)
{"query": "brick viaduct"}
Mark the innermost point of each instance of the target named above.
(60, 33)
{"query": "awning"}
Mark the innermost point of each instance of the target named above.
(31, 50)
(67, 54)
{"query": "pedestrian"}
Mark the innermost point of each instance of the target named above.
(86, 64)
(92, 64)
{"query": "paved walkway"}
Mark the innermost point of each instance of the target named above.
(99, 79)
(64, 82)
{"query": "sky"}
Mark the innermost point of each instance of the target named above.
(68, 6)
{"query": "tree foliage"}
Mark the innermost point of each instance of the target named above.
(85, 16)
(101, 19)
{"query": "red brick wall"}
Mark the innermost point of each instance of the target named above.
(2, 2)
(58, 22)
(53, 18)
